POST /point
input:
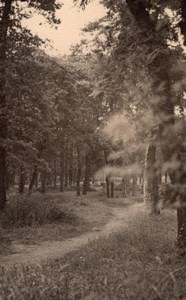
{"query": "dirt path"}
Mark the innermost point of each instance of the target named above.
(52, 250)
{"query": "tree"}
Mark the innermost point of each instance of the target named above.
(154, 30)
(8, 16)
(4, 25)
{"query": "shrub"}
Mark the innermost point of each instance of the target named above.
(34, 210)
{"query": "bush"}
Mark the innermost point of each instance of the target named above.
(34, 210)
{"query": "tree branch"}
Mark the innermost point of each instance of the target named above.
(138, 10)
(183, 21)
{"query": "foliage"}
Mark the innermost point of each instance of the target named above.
(22, 211)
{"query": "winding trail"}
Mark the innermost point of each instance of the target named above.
(52, 250)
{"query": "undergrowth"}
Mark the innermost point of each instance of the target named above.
(35, 210)
(140, 262)
(53, 216)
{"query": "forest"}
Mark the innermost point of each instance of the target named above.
(93, 154)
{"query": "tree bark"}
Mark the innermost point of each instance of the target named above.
(134, 180)
(151, 181)
(86, 183)
(123, 187)
(43, 181)
(183, 21)
(62, 168)
(55, 174)
(112, 189)
(108, 187)
(78, 188)
(159, 70)
(4, 25)
(36, 181)
(33, 178)
(70, 171)
(66, 163)
(21, 180)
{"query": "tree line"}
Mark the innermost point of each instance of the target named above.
(55, 112)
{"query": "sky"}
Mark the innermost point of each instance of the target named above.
(68, 32)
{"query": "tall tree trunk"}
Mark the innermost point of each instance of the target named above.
(43, 181)
(159, 69)
(66, 163)
(176, 157)
(151, 181)
(36, 181)
(66, 174)
(78, 189)
(4, 25)
(33, 178)
(70, 171)
(7, 179)
(123, 187)
(183, 21)
(86, 183)
(55, 173)
(107, 177)
(74, 176)
(108, 187)
(62, 168)
(112, 189)
(21, 180)
(134, 181)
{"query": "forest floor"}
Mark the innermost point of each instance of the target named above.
(116, 213)
(128, 255)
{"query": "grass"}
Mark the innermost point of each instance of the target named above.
(140, 262)
(53, 216)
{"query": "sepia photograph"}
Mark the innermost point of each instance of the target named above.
(92, 149)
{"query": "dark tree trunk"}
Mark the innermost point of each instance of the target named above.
(21, 180)
(66, 163)
(108, 187)
(55, 174)
(123, 187)
(127, 185)
(43, 181)
(160, 69)
(134, 180)
(112, 189)
(7, 180)
(70, 176)
(78, 189)
(36, 181)
(107, 177)
(151, 181)
(181, 223)
(183, 21)
(66, 175)
(86, 183)
(62, 168)
(4, 25)
(74, 176)
(70, 171)
(33, 179)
